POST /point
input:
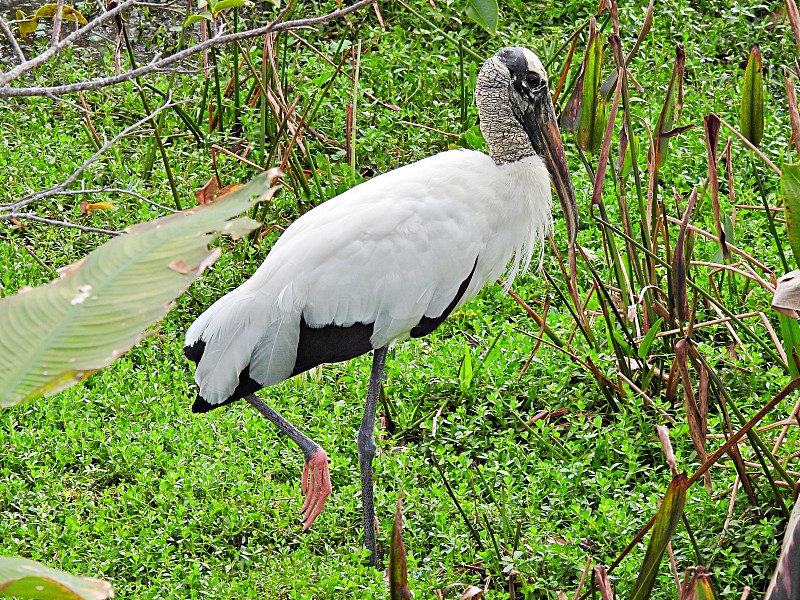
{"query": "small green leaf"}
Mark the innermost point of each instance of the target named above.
(465, 372)
(48, 11)
(751, 113)
(22, 578)
(727, 227)
(790, 192)
(627, 161)
(485, 13)
(192, 19)
(667, 519)
(223, 4)
(644, 347)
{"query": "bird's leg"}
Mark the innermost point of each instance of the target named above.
(366, 452)
(316, 483)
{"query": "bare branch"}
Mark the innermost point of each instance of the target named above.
(38, 219)
(158, 65)
(12, 40)
(57, 22)
(56, 189)
(14, 73)
(136, 195)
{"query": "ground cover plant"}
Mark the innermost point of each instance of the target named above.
(523, 441)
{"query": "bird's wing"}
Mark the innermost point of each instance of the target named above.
(242, 330)
(393, 250)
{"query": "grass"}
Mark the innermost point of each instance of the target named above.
(117, 479)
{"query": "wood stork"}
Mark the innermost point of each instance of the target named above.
(387, 260)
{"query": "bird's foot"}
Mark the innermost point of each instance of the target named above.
(316, 486)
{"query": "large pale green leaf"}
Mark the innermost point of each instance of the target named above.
(667, 519)
(485, 13)
(790, 192)
(22, 578)
(751, 112)
(55, 335)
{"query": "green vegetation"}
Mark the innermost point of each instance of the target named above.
(516, 462)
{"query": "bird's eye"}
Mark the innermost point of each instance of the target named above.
(534, 80)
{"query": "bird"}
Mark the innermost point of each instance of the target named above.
(389, 260)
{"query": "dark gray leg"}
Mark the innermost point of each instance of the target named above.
(316, 483)
(366, 452)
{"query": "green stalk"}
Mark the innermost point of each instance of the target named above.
(441, 31)
(752, 435)
(236, 128)
(262, 142)
(354, 104)
(462, 86)
(182, 114)
(770, 217)
(567, 301)
(452, 495)
(557, 450)
(156, 128)
(661, 262)
(220, 114)
(201, 110)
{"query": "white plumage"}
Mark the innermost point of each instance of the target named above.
(398, 246)
(388, 260)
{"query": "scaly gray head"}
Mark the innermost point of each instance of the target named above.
(518, 120)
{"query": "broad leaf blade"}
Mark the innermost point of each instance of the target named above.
(27, 26)
(647, 342)
(699, 588)
(223, 4)
(667, 519)
(192, 19)
(671, 110)
(67, 13)
(485, 13)
(591, 111)
(786, 301)
(22, 578)
(751, 112)
(785, 583)
(712, 124)
(790, 192)
(679, 263)
(398, 570)
(101, 305)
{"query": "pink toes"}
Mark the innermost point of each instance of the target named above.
(316, 486)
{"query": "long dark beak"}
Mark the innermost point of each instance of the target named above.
(542, 128)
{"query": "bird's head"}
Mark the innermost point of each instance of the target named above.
(513, 84)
